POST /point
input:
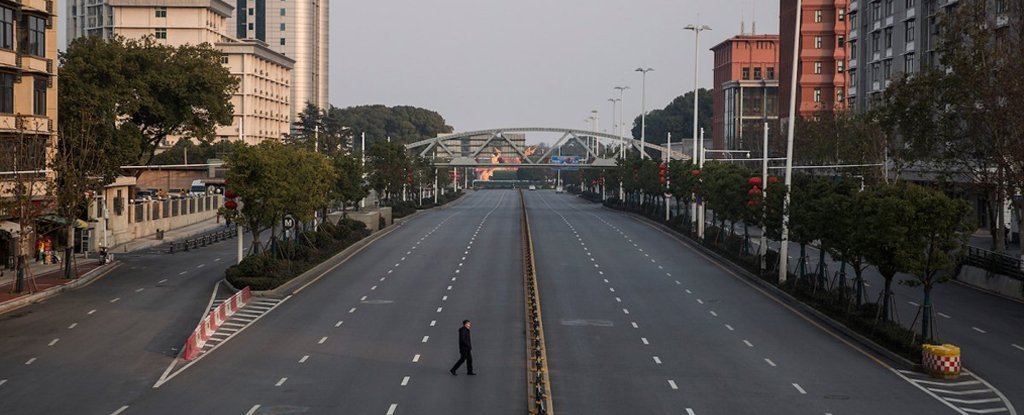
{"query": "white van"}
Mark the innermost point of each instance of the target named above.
(198, 188)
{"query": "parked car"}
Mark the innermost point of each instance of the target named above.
(144, 195)
(198, 188)
(559, 189)
(532, 187)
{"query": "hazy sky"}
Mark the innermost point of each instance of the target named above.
(524, 63)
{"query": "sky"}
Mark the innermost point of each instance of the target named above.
(488, 64)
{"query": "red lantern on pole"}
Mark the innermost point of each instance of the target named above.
(754, 181)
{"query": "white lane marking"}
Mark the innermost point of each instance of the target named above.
(979, 401)
(449, 288)
(183, 272)
(120, 410)
(363, 299)
(281, 382)
(405, 381)
(439, 309)
(115, 300)
(139, 290)
(54, 341)
(373, 288)
(352, 310)
(770, 362)
(672, 384)
(943, 315)
(201, 265)
(383, 278)
(216, 260)
(322, 340)
(338, 324)
(433, 323)
(618, 300)
(403, 259)
(668, 274)
(416, 358)
(3, 381)
(162, 281)
(460, 264)
(729, 327)
(678, 283)
(690, 412)
(657, 360)
(644, 340)
(252, 410)
(625, 311)
(29, 362)
(390, 271)
(445, 298)
(635, 326)
(425, 338)
(597, 266)
(453, 278)
(748, 343)
(1018, 347)
(457, 271)
(713, 313)
(600, 272)
(408, 252)
(913, 304)
(799, 389)
(611, 289)
(660, 267)
(304, 359)
(700, 301)
(73, 325)
(605, 280)
(688, 291)
(392, 408)
(978, 330)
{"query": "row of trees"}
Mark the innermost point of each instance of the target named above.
(336, 129)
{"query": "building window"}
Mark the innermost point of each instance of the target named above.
(251, 27)
(841, 41)
(1001, 6)
(910, 3)
(874, 42)
(839, 96)
(817, 68)
(282, 27)
(161, 33)
(853, 50)
(817, 94)
(876, 10)
(6, 93)
(757, 73)
(6, 28)
(817, 42)
(282, 12)
(842, 14)
(908, 63)
(771, 72)
(817, 16)
(909, 35)
(36, 44)
(39, 96)
(840, 66)
(888, 38)
(251, 11)
(282, 42)
(888, 8)
(746, 73)
(887, 69)
(875, 72)
(161, 12)
(853, 78)
(224, 60)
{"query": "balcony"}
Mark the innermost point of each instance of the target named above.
(854, 5)
(853, 63)
(876, 26)
(889, 21)
(853, 34)
(875, 86)
(910, 46)
(911, 13)
(851, 92)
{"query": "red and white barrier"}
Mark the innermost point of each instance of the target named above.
(213, 321)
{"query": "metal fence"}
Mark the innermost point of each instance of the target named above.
(203, 240)
(995, 262)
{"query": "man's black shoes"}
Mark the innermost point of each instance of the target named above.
(453, 373)
(471, 374)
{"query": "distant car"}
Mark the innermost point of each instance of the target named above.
(144, 195)
(532, 187)
(559, 189)
(198, 188)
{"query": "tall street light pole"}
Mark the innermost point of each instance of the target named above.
(696, 70)
(784, 248)
(622, 134)
(643, 111)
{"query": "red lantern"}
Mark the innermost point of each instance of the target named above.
(754, 192)
(231, 205)
(773, 180)
(754, 181)
(695, 172)
(230, 194)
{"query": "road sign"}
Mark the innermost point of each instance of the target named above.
(288, 222)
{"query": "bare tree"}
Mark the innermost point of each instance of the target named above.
(24, 184)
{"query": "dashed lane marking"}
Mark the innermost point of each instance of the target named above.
(416, 358)
(115, 300)
(53, 342)
(690, 412)
(748, 343)
(392, 408)
(322, 340)
(30, 361)
(799, 389)
(120, 410)
(729, 327)
(281, 382)
(943, 315)
(252, 410)
(635, 326)
(363, 299)
(3, 381)
(713, 313)
(644, 340)
(338, 324)
(433, 323)
(439, 309)
(405, 381)
(73, 325)
(425, 338)
(625, 311)
(139, 290)
(373, 288)
(304, 359)
(700, 301)
(162, 281)
(770, 362)
(201, 265)
(672, 384)
(183, 273)
(657, 360)
(978, 330)
(1018, 347)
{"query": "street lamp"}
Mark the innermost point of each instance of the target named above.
(615, 125)
(696, 70)
(643, 111)
(784, 247)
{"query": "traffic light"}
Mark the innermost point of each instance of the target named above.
(663, 174)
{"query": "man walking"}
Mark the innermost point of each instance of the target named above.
(465, 349)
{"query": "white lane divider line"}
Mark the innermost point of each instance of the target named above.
(416, 358)
(606, 281)
(611, 289)
(390, 271)
(439, 309)
(748, 343)
(252, 410)
(978, 330)
(678, 283)
(729, 327)
(183, 272)
(383, 278)
(688, 291)
(699, 301)
(216, 260)
(689, 411)
(363, 299)
(425, 338)
(625, 311)
(201, 265)
(73, 325)
(139, 290)
(338, 324)
(672, 384)
(913, 304)
(635, 326)
(120, 410)
(281, 382)
(644, 340)
(770, 362)
(433, 323)
(162, 281)
(30, 361)
(449, 288)
(943, 315)
(322, 340)
(445, 298)
(3, 381)
(668, 274)
(657, 360)
(799, 389)
(713, 313)
(1018, 347)
(618, 300)
(352, 310)
(115, 300)
(405, 381)
(373, 288)
(54, 341)
(392, 408)
(304, 359)
(453, 278)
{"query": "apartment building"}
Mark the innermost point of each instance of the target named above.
(746, 90)
(262, 104)
(823, 57)
(297, 29)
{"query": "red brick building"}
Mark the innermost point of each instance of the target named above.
(745, 90)
(822, 81)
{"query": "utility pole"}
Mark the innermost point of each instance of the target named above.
(643, 112)
(784, 248)
(668, 180)
(697, 28)
(763, 250)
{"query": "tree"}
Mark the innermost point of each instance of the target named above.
(186, 150)
(24, 185)
(677, 118)
(403, 124)
(143, 92)
(848, 234)
(388, 164)
(348, 186)
(937, 239)
(905, 103)
(841, 138)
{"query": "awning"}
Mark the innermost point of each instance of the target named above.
(77, 223)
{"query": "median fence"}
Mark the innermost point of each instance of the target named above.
(209, 325)
(202, 240)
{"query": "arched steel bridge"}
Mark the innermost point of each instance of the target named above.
(478, 148)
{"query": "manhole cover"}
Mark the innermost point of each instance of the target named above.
(586, 322)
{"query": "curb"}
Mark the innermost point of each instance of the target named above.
(84, 280)
(778, 294)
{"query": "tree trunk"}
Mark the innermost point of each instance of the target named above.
(886, 295)
(858, 272)
(19, 279)
(821, 269)
(926, 313)
(69, 252)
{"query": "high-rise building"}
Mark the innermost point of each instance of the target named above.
(746, 90)
(263, 104)
(297, 29)
(822, 64)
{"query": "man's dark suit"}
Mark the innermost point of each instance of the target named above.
(465, 351)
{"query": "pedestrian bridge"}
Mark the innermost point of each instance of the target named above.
(506, 147)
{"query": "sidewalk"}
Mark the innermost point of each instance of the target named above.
(47, 279)
(170, 236)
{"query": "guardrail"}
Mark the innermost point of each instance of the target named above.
(212, 321)
(995, 262)
(537, 367)
(202, 240)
